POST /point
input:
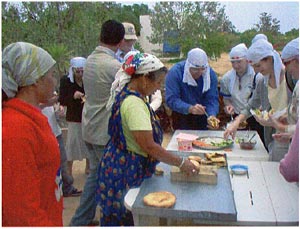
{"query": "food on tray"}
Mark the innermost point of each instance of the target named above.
(262, 114)
(161, 199)
(195, 158)
(158, 171)
(212, 143)
(213, 121)
(216, 158)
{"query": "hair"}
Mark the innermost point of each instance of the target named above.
(112, 32)
(153, 75)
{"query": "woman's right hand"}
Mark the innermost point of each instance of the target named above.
(189, 168)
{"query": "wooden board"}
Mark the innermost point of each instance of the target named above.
(206, 175)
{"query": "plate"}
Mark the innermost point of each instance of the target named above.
(212, 143)
(239, 169)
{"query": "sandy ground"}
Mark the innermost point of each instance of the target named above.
(71, 203)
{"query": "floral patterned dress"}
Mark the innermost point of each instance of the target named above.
(121, 169)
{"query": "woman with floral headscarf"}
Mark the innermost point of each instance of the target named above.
(134, 147)
(31, 181)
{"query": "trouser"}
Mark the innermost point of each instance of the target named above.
(188, 121)
(86, 211)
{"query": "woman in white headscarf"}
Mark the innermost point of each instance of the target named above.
(192, 92)
(267, 61)
(134, 147)
(71, 95)
(31, 181)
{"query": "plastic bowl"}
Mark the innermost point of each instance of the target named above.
(247, 145)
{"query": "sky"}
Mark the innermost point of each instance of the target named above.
(244, 14)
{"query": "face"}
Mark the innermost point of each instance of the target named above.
(197, 72)
(78, 72)
(240, 66)
(46, 86)
(264, 66)
(152, 86)
(127, 45)
(292, 67)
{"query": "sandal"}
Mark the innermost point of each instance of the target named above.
(75, 192)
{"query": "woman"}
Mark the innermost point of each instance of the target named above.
(71, 94)
(134, 148)
(31, 181)
(271, 92)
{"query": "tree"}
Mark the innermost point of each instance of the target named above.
(267, 24)
(197, 24)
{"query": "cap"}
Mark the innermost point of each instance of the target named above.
(129, 31)
(290, 50)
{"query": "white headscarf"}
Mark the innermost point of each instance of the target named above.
(197, 58)
(258, 37)
(261, 49)
(291, 49)
(22, 65)
(76, 62)
(135, 63)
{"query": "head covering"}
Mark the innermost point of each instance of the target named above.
(261, 49)
(135, 63)
(22, 65)
(290, 50)
(76, 62)
(258, 37)
(197, 58)
(238, 52)
(129, 31)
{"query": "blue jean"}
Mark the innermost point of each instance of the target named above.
(67, 179)
(86, 211)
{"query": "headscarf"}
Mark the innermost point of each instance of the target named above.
(22, 65)
(76, 62)
(197, 58)
(237, 53)
(290, 50)
(258, 37)
(261, 49)
(135, 63)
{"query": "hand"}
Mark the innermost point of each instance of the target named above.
(197, 109)
(60, 111)
(282, 137)
(231, 129)
(189, 168)
(229, 110)
(78, 95)
(213, 123)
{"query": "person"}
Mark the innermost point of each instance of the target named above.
(287, 123)
(71, 95)
(31, 181)
(49, 111)
(127, 44)
(237, 86)
(267, 61)
(134, 147)
(289, 165)
(99, 73)
(191, 92)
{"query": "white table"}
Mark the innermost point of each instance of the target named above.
(263, 198)
(259, 152)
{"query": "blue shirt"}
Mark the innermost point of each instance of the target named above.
(180, 96)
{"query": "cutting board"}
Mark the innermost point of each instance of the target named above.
(207, 175)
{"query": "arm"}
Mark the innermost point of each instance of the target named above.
(289, 165)
(23, 189)
(211, 98)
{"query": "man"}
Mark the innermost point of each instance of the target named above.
(237, 86)
(192, 93)
(99, 74)
(127, 44)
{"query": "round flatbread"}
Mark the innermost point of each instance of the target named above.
(160, 199)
